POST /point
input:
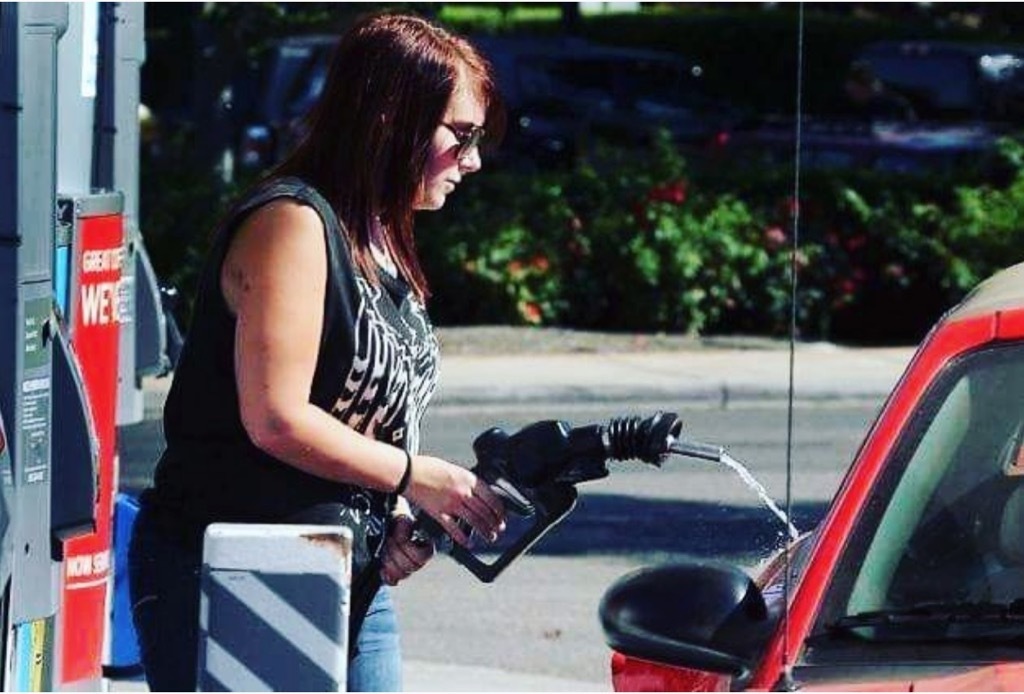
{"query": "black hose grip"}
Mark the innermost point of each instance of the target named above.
(647, 439)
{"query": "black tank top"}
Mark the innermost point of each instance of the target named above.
(376, 371)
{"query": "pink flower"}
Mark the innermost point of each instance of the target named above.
(895, 271)
(774, 237)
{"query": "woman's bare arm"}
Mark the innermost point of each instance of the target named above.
(273, 280)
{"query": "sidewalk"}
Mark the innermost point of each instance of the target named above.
(823, 372)
(712, 375)
(420, 676)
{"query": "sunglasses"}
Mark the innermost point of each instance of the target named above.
(468, 138)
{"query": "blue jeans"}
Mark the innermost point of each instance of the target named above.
(164, 573)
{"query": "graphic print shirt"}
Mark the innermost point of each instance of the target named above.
(376, 371)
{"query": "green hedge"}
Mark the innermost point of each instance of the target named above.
(642, 245)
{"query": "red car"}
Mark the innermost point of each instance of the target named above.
(914, 579)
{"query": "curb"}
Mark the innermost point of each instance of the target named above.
(722, 396)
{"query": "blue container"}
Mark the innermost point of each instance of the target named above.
(124, 643)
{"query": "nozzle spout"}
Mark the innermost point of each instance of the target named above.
(696, 449)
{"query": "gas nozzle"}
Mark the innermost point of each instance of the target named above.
(535, 471)
(648, 439)
(653, 439)
(696, 449)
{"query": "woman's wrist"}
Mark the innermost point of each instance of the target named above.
(403, 483)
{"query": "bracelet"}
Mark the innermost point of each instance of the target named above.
(403, 483)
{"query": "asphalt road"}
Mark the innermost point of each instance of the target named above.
(541, 615)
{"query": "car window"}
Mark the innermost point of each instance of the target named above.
(588, 82)
(945, 522)
(295, 79)
(306, 89)
(940, 82)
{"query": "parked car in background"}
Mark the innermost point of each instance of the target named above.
(952, 81)
(562, 94)
(286, 87)
(946, 105)
(565, 94)
(915, 578)
(915, 148)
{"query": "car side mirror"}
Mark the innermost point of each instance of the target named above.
(704, 616)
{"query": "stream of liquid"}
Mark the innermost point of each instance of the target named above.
(719, 455)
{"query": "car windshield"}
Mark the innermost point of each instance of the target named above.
(944, 83)
(938, 552)
(597, 82)
(296, 79)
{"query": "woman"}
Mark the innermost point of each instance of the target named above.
(310, 361)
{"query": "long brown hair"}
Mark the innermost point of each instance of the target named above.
(368, 140)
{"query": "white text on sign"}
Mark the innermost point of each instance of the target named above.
(88, 565)
(103, 260)
(100, 303)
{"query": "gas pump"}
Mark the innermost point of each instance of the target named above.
(28, 70)
(80, 324)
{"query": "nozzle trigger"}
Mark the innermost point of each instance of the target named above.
(514, 499)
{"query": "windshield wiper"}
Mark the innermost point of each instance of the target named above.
(942, 621)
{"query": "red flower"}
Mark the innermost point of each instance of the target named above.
(789, 207)
(540, 263)
(530, 312)
(515, 267)
(673, 192)
(774, 237)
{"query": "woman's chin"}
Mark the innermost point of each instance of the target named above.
(433, 204)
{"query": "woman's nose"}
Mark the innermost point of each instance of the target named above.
(471, 161)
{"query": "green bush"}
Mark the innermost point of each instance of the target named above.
(627, 242)
(624, 243)
(616, 244)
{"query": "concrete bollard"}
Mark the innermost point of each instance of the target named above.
(274, 608)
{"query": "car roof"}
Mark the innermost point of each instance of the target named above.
(308, 40)
(1002, 291)
(571, 47)
(922, 48)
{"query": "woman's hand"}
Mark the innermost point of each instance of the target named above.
(450, 494)
(402, 556)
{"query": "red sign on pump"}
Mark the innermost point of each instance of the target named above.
(96, 306)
